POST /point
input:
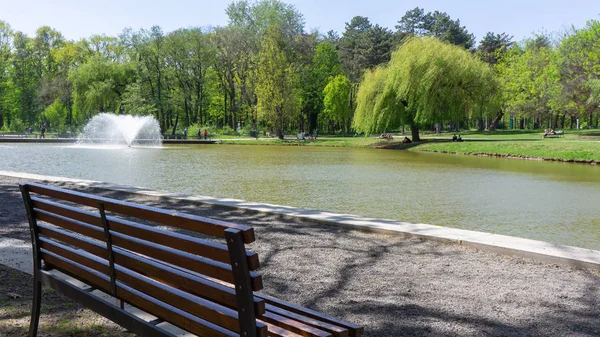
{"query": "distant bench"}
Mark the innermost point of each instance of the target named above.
(196, 283)
(11, 135)
(555, 134)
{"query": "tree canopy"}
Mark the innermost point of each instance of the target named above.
(426, 81)
(264, 71)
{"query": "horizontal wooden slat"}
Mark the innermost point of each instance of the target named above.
(194, 305)
(293, 325)
(353, 329)
(182, 280)
(176, 316)
(170, 218)
(79, 256)
(186, 243)
(72, 225)
(89, 245)
(201, 265)
(82, 273)
(275, 331)
(335, 330)
(67, 211)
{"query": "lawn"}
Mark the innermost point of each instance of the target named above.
(576, 145)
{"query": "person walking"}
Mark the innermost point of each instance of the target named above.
(205, 134)
(185, 133)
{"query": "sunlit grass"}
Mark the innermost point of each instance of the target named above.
(551, 148)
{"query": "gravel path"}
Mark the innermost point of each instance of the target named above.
(393, 285)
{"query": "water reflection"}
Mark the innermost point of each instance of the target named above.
(554, 202)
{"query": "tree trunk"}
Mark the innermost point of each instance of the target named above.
(496, 120)
(414, 130)
(175, 124)
(187, 112)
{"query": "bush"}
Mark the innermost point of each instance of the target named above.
(227, 130)
(56, 114)
(16, 125)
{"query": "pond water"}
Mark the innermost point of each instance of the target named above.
(554, 202)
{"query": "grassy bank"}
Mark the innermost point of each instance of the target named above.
(580, 145)
(547, 149)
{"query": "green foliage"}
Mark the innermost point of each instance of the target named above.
(264, 70)
(437, 24)
(426, 81)
(594, 86)
(275, 82)
(493, 46)
(337, 103)
(530, 80)
(16, 125)
(364, 46)
(97, 87)
(56, 115)
(134, 101)
(578, 63)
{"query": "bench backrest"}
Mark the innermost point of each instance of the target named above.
(202, 282)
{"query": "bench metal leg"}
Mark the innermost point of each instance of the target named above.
(36, 306)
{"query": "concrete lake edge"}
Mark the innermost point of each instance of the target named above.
(538, 250)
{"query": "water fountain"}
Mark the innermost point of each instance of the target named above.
(107, 128)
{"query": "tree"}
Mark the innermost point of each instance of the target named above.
(98, 86)
(426, 81)
(493, 46)
(578, 55)
(337, 101)
(437, 24)
(5, 55)
(594, 86)
(530, 83)
(380, 42)
(353, 46)
(324, 66)
(275, 83)
(260, 16)
(234, 52)
(24, 80)
(56, 115)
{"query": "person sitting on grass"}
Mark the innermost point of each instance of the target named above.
(459, 139)
(454, 138)
(545, 133)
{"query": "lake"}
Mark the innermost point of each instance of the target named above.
(554, 202)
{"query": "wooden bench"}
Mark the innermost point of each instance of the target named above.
(554, 135)
(204, 283)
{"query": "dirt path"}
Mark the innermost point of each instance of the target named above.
(392, 285)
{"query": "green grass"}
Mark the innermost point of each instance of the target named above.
(576, 145)
(547, 148)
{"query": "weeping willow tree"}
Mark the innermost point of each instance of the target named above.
(426, 81)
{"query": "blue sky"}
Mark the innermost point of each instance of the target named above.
(81, 18)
